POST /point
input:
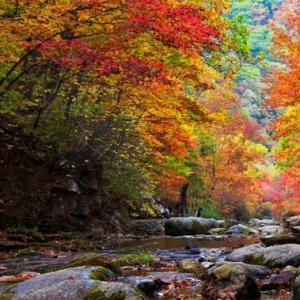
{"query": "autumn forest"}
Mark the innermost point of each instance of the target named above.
(125, 104)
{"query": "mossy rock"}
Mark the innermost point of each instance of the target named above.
(102, 274)
(136, 258)
(260, 260)
(197, 227)
(6, 295)
(117, 291)
(280, 240)
(92, 259)
(193, 266)
(97, 294)
(231, 278)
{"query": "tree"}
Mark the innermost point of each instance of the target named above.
(112, 86)
(284, 95)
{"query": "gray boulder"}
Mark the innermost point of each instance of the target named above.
(274, 256)
(71, 284)
(240, 228)
(257, 223)
(271, 229)
(280, 239)
(240, 254)
(191, 226)
(292, 221)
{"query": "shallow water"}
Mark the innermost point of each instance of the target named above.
(166, 242)
(202, 241)
(44, 264)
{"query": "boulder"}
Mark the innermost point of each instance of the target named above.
(292, 221)
(271, 229)
(296, 288)
(239, 229)
(193, 266)
(280, 240)
(272, 257)
(255, 270)
(147, 285)
(193, 249)
(190, 226)
(296, 230)
(257, 223)
(71, 284)
(278, 281)
(232, 281)
(240, 254)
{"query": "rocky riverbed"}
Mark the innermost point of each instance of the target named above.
(263, 261)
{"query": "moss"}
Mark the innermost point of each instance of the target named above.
(135, 259)
(101, 274)
(92, 259)
(260, 260)
(23, 253)
(97, 294)
(280, 240)
(224, 271)
(6, 295)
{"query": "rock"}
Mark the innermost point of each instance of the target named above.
(190, 226)
(159, 229)
(296, 229)
(147, 285)
(292, 221)
(281, 281)
(280, 240)
(274, 256)
(66, 185)
(97, 234)
(71, 284)
(233, 282)
(239, 255)
(255, 270)
(290, 269)
(239, 229)
(296, 288)
(271, 229)
(261, 223)
(193, 266)
(220, 230)
(170, 277)
(193, 249)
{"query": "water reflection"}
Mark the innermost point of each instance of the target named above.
(166, 242)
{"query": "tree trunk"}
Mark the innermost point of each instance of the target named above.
(183, 199)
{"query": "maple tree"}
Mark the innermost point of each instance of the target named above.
(284, 96)
(232, 171)
(133, 89)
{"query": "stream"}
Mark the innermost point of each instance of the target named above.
(168, 247)
(205, 243)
